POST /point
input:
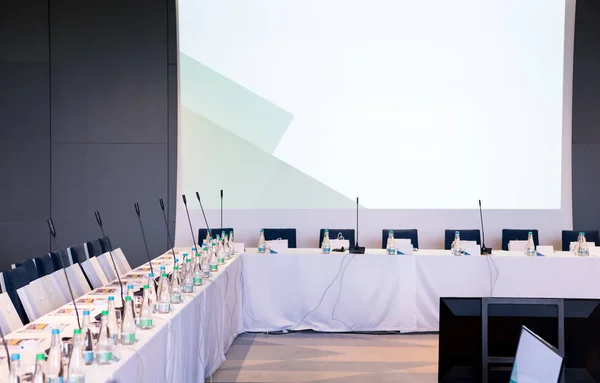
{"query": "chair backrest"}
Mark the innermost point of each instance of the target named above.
(94, 273)
(569, 236)
(78, 280)
(31, 268)
(122, 263)
(289, 234)
(36, 298)
(411, 234)
(77, 254)
(214, 231)
(9, 318)
(348, 235)
(45, 266)
(12, 280)
(107, 266)
(518, 235)
(58, 289)
(105, 244)
(465, 235)
(56, 259)
(93, 248)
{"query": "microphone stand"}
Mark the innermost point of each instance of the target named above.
(171, 242)
(221, 209)
(484, 250)
(189, 221)
(137, 210)
(357, 249)
(204, 215)
(99, 220)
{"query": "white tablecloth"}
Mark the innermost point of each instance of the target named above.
(378, 292)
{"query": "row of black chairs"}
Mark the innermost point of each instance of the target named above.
(508, 235)
(24, 272)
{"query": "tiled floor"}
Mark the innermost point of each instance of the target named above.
(331, 358)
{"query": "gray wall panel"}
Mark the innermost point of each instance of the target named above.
(24, 31)
(22, 241)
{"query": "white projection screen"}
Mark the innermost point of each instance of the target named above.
(420, 108)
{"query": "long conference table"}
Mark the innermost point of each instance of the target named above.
(304, 289)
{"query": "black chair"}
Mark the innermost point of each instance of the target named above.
(289, 234)
(13, 280)
(45, 266)
(465, 235)
(29, 265)
(215, 231)
(76, 254)
(93, 248)
(348, 234)
(105, 244)
(569, 236)
(411, 234)
(518, 235)
(56, 260)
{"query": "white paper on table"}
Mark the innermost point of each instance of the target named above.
(471, 248)
(516, 245)
(338, 243)
(278, 245)
(545, 250)
(404, 246)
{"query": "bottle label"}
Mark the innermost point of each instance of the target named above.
(176, 298)
(164, 308)
(58, 379)
(145, 323)
(261, 249)
(326, 250)
(105, 357)
(391, 251)
(197, 281)
(128, 338)
(76, 379)
(221, 261)
(214, 267)
(88, 357)
(188, 288)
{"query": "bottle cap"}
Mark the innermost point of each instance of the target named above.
(391, 231)
(151, 275)
(105, 313)
(163, 268)
(185, 255)
(86, 312)
(15, 357)
(262, 230)
(127, 298)
(130, 286)
(111, 298)
(55, 331)
(146, 287)
(77, 331)
(164, 275)
(327, 231)
(530, 233)
(457, 232)
(40, 357)
(176, 260)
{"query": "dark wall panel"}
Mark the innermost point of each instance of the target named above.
(24, 31)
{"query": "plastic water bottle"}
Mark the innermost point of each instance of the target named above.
(104, 346)
(456, 247)
(231, 244)
(132, 295)
(76, 362)
(530, 250)
(14, 376)
(197, 272)
(262, 244)
(205, 263)
(220, 253)
(152, 292)
(326, 244)
(582, 246)
(226, 249)
(175, 287)
(88, 340)
(113, 325)
(145, 321)
(39, 376)
(164, 297)
(128, 323)
(54, 367)
(390, 248)
(214, 266)
(188, 278)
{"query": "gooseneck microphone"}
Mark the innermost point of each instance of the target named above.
(62, 263)
(357, 249)
(99, 220)
(221, 209)
(484, 250)
(189, 221)
(137, 211)
(171, 244)
(204, 215)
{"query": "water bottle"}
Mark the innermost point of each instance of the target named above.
(54, 367)
(39, 376)
(214, 266)
(164, 297)
(262, 244)
(175, 287)
(163, 270)
(582, 246)
(146, 310)
(188, 279)
(152, 293)
(231, 244)
(131, 294)
(128, 323)
(184, 260)
(197, 273)
(205, 263)
(104, 346)
(226, 248)
(530, 250)
(113, 325)
(390, 248)
(15, 368)
(456, 247)
(76, 362)
(220, 253)
(326, 244)
(88, 341)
